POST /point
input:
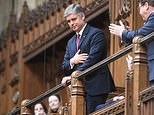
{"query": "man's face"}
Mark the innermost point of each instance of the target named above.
(143, 10)
(75, 22)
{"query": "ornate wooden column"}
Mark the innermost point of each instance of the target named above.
(140, 78)
(66, 109)
(128, 92)
(24, 109)
(77, 95)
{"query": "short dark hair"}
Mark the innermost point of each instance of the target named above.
(58, 96)
(43, 105)
(151, 2)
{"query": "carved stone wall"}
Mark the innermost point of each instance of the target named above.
(6, 6)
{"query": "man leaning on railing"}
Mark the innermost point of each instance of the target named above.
(86, 48)
(146, 10)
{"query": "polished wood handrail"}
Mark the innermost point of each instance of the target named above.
(87, 71)
(41, 97)
(81, 75)
(33, 27)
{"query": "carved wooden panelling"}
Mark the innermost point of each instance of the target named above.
(125, 9)
(3, 39)
(13, 58)
(61, 28)
(147, 94)
(14, 78)
(113, 109)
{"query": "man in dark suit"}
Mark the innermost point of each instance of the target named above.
(92, 48)
(146, 10)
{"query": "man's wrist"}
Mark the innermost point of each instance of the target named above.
(121, 33)
(71, 63)
(121, 36)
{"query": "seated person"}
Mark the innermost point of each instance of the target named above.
(55, 105)
(129, 60)
(40, 109)
(115, 99)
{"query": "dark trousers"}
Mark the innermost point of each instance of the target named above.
(151, 70)
(151, 83)
(93, 101)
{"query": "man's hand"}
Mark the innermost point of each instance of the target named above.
(117, 29)
(78, 58)
(65, 79)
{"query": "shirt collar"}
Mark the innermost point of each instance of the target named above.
(152, 13)
(81, 31)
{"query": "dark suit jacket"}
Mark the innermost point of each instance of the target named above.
(148, 28)
(94, 43)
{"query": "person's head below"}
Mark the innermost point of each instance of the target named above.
(146, 7)
(40, 109)
(54, 103)
(75, 17)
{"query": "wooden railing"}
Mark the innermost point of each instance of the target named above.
(138, 99)
(79, 76)
(39, 29)
(138, 83)
(33, 33)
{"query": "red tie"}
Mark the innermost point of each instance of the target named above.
(77, 40)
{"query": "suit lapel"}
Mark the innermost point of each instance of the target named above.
(74, 48)
(83, 37)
